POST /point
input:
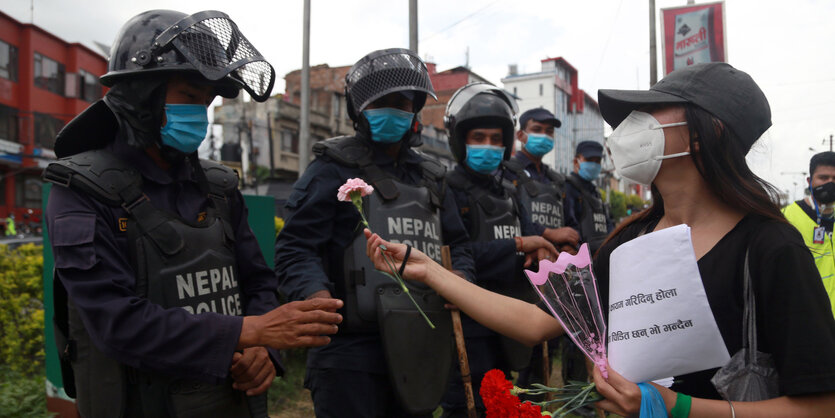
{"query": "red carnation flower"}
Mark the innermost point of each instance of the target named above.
(499, 402)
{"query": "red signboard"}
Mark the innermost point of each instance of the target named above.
(693, 34)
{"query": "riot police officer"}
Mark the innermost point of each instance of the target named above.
(164, 302)
(585, 210)
(541, 189)
(480, 120)
(385, 361)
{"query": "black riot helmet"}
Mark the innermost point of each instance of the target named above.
(386, 71)
(206, 43)
(479, 105)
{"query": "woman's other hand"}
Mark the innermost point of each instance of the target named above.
(624, 397)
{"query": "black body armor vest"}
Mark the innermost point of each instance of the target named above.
(491, 218)
(178, 264)
(593, 224)
(374, 303)
(544, 202)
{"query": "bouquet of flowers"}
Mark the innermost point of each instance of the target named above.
(569, 289)
(353, 191)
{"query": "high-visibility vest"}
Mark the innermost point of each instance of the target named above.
(822, 252)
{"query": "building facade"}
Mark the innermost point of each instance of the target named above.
(555, 88)
(44, 82)
(266, 135)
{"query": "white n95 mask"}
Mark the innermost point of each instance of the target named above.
(637, 147)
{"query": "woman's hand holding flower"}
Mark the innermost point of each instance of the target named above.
(416, 265)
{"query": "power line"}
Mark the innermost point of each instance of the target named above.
(606, 45)
(459, 21)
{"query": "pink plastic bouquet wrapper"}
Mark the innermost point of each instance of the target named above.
(569, 289)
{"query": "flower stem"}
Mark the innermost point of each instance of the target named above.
(399, 280)
(356, 199)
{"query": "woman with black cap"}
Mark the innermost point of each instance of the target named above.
(713, 114)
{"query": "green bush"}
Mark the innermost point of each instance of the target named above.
(287, 393)
(279, 225)
(617, 204)
(636, 202)
(21, 310)
(22, 396)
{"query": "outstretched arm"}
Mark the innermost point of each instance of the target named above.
(519, 320)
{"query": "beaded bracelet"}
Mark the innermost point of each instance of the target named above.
(682, 408)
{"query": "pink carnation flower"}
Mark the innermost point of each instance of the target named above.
(351, 186)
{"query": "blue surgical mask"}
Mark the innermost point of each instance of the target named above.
(484, 159)
(388, 125)
(589, 170)
(539, 144)
(185, 126)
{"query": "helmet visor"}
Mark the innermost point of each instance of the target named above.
(463, 95)
(386, 72)
(212, 43)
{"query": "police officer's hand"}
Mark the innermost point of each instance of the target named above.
(535, 248)
(568, 248)
(295, 324)
(564, 235)
(416, 265)
(252, 371)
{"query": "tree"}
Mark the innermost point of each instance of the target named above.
(617, 204)
(635, 202)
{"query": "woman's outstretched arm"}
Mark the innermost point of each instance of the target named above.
(517, 319)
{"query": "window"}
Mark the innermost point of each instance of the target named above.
(89, 88)
(32, 192)
(336, 102)
(541, 89)
(46, 129)
(514, 91)
(27, 192)
(8, 124)
(8, 61)
(49, 74)
(289, 141)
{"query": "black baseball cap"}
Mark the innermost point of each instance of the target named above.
(540, 115)
(590, 149)
(729, 94)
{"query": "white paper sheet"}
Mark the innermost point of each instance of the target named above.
(660, 323)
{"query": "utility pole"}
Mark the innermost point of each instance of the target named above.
(830, 142)
(413, 26)
(653, 61)
(304, 123)
(252, 166)
(270, 138)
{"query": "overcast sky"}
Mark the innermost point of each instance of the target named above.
(785, 46)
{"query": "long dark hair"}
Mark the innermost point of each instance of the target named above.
(721, 162)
